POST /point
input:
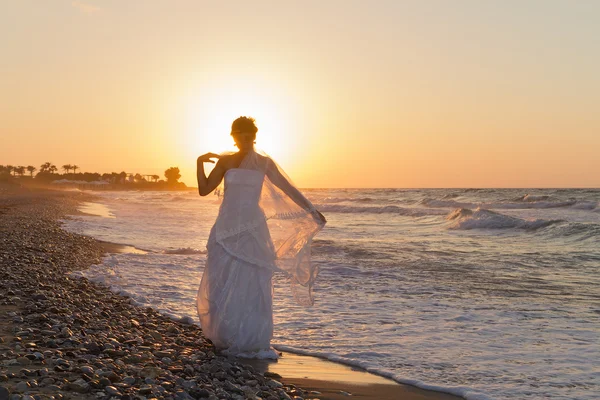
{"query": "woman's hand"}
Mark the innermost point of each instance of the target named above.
(207, 158)
(320, 218)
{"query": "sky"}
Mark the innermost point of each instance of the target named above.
(408, 94)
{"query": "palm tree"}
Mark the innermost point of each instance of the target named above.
(66, 168)
(10, 169)
(45, 167)
(52, 169)
(20, 170)
(31, 169)
(156, 178)
(74, 167)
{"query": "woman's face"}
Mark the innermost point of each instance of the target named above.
(243, 140)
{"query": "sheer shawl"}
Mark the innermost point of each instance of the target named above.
(288, 216)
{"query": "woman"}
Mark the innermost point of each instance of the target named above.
(264, 225)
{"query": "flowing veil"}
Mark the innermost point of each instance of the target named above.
(292, 223)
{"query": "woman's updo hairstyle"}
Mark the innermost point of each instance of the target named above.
(244, 124)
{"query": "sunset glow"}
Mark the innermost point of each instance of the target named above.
(345, 94)
(211, 112)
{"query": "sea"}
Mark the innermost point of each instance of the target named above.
(483, 293)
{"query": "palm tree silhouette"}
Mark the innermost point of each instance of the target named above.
(10, 169)
(75, 167)
(31, 169)
(66, 168)
(20, 170)
(52, 169)
(45, 167)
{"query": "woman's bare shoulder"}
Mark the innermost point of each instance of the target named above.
(265, 159)
(227, 161)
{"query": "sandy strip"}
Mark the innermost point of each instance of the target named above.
(333, 381)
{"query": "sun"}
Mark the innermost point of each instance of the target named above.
(211, 112)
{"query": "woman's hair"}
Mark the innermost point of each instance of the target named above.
(244, 124)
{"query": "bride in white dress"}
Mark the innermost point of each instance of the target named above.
(264, 225)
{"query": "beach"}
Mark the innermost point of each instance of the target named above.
(67, 337)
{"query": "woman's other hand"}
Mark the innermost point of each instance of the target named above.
(320, 218)
(207, 158)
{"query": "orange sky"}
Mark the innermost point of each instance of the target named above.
(346, 93)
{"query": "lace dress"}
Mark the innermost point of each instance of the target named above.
(260, 229)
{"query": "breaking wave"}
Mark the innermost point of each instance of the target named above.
(466, 219)
(348, 199)
(524, 202)
(411, 212)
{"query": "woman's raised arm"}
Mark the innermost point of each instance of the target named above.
(207, 185)
(282, 183)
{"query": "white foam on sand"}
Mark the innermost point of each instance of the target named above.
(97, 209)
(464, 392)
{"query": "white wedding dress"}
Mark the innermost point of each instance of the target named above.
(264, 225)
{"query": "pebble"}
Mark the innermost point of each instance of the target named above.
(113, 391)
(129, 380)
(78, 386)
(274, 384)
(145, 389)
(22, 386)
(4, 393)
(87, 370)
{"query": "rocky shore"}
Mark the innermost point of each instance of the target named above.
(68, 338)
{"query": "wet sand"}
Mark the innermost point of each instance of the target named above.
(333, 381)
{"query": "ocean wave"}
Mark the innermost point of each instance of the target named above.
(181, 198)
(524, 202)
(451, 196)
(410, 212)
(532, 198)
(578, 230)
(466, 219)
(534, 204)
(353, 250)
(348, 199)
(586, 205)
(429, 202)
(184, 251)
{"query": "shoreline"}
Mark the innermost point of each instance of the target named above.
(336, 381)
(331, 380)
(54, 205)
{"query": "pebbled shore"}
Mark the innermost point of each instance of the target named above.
(66, 338)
